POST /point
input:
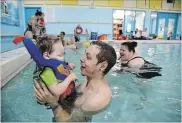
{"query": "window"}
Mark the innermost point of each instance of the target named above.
(139, 20)
(153, 23)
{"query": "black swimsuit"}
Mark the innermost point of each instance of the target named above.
(126, 64)
(152, 69)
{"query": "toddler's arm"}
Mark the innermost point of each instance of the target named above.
(59, 88)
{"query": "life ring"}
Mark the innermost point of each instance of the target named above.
(79, 30)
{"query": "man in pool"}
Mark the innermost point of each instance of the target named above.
(67, 43)
(94, 93)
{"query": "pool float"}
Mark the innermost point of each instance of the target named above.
(102, 37)
(60, 68)
(79, 29)
(86, 43)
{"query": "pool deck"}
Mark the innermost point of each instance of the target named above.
(12, 62)
(144, 41)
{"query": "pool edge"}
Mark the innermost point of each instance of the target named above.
(144, 41)
(11, 76)
(13, 62)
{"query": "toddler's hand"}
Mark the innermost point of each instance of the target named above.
(72, 77)
(72, 66)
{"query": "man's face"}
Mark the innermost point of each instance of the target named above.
(62, 36)
(89, 61)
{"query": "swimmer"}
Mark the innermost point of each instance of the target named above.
(131, 61)
(33, 22)
(66, 43)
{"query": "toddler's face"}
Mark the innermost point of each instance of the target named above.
(58, 52)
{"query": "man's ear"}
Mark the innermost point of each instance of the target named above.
(46, 55)
(103, 66)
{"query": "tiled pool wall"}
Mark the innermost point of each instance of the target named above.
(7, 44)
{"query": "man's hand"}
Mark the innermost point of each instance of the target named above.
(43, 94)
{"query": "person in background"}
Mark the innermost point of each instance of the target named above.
(129, 57)
(68, 43)
(132, 61)
(137, 34)
(43, 32)
(33, 22)
(120, 35)
(76, 36)
(169, 37)
(145, 35)
(131, 35)
(127, 37)
(62, 34)
(41, 24)
(41, 21)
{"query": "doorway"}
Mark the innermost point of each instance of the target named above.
(166, 25)
(118, 23)
(29, 12)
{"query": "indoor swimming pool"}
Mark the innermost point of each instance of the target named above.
(134, 99)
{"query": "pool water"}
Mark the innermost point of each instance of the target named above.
(133, 100)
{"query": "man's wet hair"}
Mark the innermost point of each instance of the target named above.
(63, 33)
(107, 53)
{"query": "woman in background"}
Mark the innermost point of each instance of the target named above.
(131, 61)
(33, 22)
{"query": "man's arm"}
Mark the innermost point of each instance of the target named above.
(43, 94)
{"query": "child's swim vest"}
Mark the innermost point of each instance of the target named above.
(60, 68)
